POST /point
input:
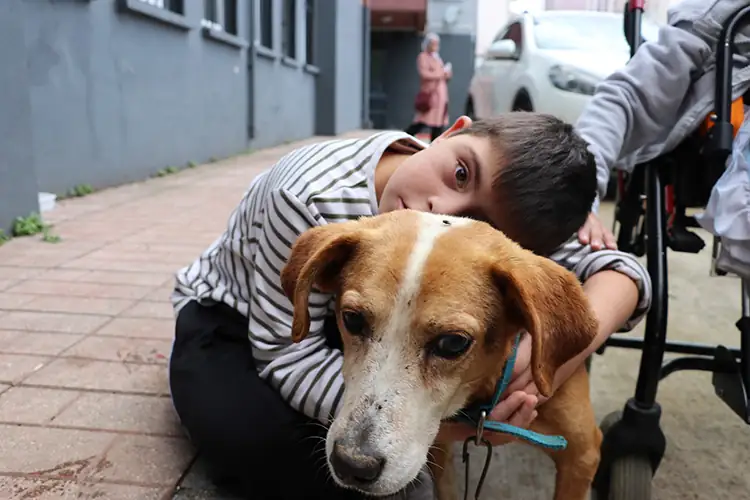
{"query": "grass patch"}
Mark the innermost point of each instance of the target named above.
(32, 225)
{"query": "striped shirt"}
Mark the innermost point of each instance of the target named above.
(318, 184)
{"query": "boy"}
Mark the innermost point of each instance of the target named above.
(255, 403)
(662, 95)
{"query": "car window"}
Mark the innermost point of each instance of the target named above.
(566, 32)
(515, 33)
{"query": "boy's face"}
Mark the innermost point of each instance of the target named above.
(452, 177)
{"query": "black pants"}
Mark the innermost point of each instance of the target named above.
(249, 436)
(416, 128)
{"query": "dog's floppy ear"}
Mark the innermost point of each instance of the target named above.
(316, 259)
(547, 301)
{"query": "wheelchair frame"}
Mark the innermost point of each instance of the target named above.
(634, 434)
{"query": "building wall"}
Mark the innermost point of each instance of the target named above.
(116, 96)
(18, 184)
(112, 91)
(283, 87)
(342, 59)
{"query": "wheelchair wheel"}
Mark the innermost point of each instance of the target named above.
(630, 478)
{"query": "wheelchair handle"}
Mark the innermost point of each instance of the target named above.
(632, 20)
(722, 133)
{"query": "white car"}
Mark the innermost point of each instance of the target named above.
(549, 62)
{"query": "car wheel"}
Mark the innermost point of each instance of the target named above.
(469, 111)
(522, 102)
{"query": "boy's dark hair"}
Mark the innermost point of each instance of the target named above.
(545, 177)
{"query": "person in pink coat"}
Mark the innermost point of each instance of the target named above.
(433, 76)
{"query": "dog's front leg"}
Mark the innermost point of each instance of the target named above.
(441, 466)
(569, 413)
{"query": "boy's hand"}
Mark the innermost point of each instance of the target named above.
(517, 409)
(517, 406)
(595, 233)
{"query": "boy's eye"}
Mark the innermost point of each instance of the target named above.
(462, 176)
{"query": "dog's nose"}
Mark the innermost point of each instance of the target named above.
(358, 466)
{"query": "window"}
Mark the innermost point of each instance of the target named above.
(220, 15)
(515, 33)
(266, 23)
(585, 30)
(310, 32)
(288, 29)
(230, 16)
(175, 6)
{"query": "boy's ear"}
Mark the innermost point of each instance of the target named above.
(460, 123)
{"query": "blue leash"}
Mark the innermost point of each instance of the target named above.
(477, 415)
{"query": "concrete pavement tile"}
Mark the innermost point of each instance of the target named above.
(13, 272)
(162, 293)
(131, 350)
(43, 261)
(119, 265)
(10, 301)
(140, 327)
(80, 305)
(51, 322)
(5, 284)
(64, 453)
(146, 460)
(60, 275)
(146, 309)
(76, 373)
(120, 412)
(49, 344)
(15, 367)
(80, 289)
(7, 336)
(23, 488)
(126, 277)
(144, 255)
(30, 405)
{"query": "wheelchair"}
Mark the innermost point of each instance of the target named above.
(651, 205)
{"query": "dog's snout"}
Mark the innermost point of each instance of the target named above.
(356, 466)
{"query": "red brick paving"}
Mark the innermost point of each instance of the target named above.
(85, 335)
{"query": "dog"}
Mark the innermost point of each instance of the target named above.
(428, 307)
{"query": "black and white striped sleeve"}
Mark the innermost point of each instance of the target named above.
(584, 261)
(307, 374)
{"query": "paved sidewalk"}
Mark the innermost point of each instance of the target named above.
(85, 334)
(86, 329)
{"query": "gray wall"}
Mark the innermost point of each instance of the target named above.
(283, 89)
(341, 60)
(399, 79)
(92, 92)
(18, 185)
(116, 96)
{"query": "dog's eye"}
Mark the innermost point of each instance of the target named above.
(450, 346)
(354, 322)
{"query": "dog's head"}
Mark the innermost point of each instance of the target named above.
(428, 307)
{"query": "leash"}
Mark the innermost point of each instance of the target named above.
(477, 415)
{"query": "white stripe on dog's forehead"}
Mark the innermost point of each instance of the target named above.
(431, 227)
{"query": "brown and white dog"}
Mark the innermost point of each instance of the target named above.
(428, 307)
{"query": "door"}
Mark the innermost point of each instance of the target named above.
(378, 95)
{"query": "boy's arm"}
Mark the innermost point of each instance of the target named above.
(588, 264)
(641, 101)
(306, 374)
(618, 288)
